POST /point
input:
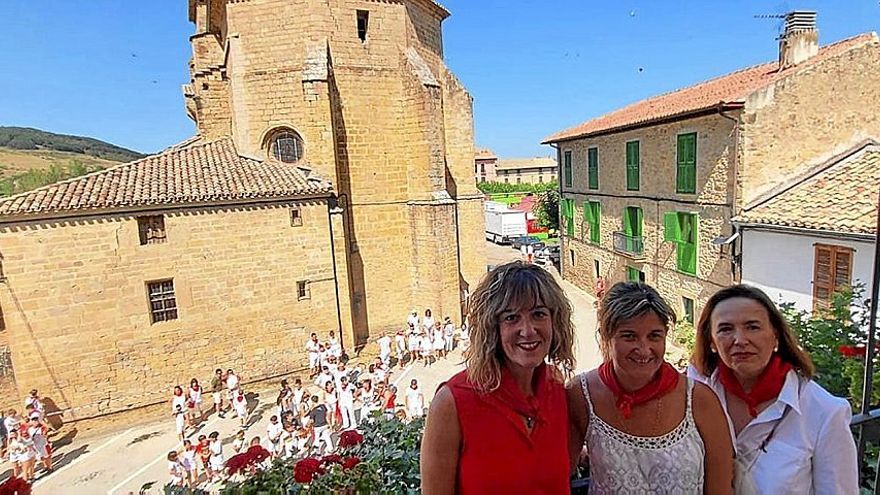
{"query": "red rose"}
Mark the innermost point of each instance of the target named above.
(350, 462)
(350, 438)
(15, 486)
(305, 470)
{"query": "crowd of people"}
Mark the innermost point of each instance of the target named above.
(25, 438)
(309, 412)
(745, 418)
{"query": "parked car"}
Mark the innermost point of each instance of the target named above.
(527, 240)
(548, 255)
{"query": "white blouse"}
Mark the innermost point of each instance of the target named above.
(812, 450)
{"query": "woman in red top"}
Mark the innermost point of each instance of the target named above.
(501, 426)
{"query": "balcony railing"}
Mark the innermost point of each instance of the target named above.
(628, 245)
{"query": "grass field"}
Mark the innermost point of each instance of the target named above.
(14, 162)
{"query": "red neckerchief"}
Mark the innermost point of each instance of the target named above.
(767, 387)
(196, 388)
(664, 382)
(528, 407)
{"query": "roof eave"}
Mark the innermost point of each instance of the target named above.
(836, 234)
(15, 218)
(699, 112)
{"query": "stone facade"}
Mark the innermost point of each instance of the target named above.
(656, 196)
(810, 113)
(363, 87)
(525, 170)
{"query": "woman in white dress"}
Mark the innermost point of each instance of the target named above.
(331, 400)
(195, 401)
(415, 342)
(415, 400)
(645, 428)
(427, 349)
(438, 343)
(428, 322)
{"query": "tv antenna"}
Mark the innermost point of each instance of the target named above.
(780, 22)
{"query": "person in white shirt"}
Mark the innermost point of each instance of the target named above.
(415, 343)
(428, 323)
(297, 397)
(437, 340)
(427, 349)
(385, 350)
(790, 434)
(215, 447)
(232, 382)
(367, 396)
(324, 377)
(415, 400)
(175, 469)
(273, 433)
(33, 399)
(448, 336)
(335, 348)
(195, 401)
(346, 403)
(240, 404)
(400, 346)
(313, 349)
(331, 400)
(180, 422)
(413, 319)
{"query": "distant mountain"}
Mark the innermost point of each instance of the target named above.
(31, 158)
(25, 138)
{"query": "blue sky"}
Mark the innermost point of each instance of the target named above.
(112, 69)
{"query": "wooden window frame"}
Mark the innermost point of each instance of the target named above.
(165, 296)
(687, 252)
(834, 280)
(593, 168)
(593, 217)
(151, 229)
(633, 165)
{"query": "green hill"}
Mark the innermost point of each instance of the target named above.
(31, 158)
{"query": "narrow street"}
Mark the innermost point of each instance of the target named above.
(123, 461)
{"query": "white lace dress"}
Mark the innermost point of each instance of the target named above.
(623, 463)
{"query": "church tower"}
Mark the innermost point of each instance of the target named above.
(356, 91)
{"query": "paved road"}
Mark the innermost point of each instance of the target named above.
(122, 461)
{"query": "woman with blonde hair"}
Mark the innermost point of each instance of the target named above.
(791, 435)
(501, 426)
(644, 427)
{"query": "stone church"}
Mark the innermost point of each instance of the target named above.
(329, 187)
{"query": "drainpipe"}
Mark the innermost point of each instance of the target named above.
(333, 208)
(734, 164)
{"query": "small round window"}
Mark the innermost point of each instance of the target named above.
(286, 146)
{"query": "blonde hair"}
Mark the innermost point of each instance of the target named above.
(515, 286)
(625, 301)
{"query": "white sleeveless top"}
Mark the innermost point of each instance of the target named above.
(624, 463)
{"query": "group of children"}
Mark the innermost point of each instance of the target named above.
(26, 439)
(426, 340)
(186, 407)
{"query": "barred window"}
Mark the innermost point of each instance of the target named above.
(151, 229)
(163, 305)
(303, 291)
(287, 147)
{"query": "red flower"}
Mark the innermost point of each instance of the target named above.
(852, 351)
(258, 453)
(350, 462)
(350, 438)
(15, 486)
(238, 462)
(332, 459)
(305, 470)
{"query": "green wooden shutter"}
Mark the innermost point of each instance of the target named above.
(593, 168)
(588, 212)
(595, 225)
(569, 227)
(637, 222)
(632, 274)
(632, 166)
(687, 248)
(671, 227)
(686, 173)
(567, 169)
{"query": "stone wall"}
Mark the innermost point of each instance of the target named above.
(815, 113)
(76, 306)
(656, 196)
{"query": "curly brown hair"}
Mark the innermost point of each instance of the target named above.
(515, 285)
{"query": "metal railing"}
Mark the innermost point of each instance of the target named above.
(628, 245)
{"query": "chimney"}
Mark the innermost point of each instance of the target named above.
(800, 41)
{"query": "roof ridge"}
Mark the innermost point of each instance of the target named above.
(809, 172)
(108, 170)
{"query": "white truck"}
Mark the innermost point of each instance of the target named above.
(504, 224)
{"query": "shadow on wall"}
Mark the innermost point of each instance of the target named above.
(356, 284)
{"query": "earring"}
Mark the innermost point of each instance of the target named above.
(714, 351)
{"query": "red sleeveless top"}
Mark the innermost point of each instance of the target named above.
(498, 452)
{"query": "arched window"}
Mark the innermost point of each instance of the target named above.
(286, 146)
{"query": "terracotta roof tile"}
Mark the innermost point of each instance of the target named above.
(189, 173)
(838, 197)
(730, 88)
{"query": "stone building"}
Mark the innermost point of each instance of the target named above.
(329, 187)
(648, 190)
(526, 170)
(484, 165)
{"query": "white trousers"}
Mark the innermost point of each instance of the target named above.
(322, 435)
(348, 419)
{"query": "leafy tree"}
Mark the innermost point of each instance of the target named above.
(548, 209)
(503, 187)
(33, 179)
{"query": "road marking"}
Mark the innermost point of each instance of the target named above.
(160, 458)
(82, 457)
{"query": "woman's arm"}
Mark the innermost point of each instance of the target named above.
(713, 427)
(835, 467)
(578, 417)
(440, 446)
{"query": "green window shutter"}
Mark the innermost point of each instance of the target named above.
(567, 169)
(595, 233)
(569, 225)
(632, 166)
(627, 221)
(632, 274)
(687, 248)
(588, 212)
(593, 168)
(637, 222)
(671, 227)
(686, 169)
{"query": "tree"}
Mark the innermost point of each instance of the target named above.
(548, 209)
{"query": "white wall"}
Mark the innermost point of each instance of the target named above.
(781, 264)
